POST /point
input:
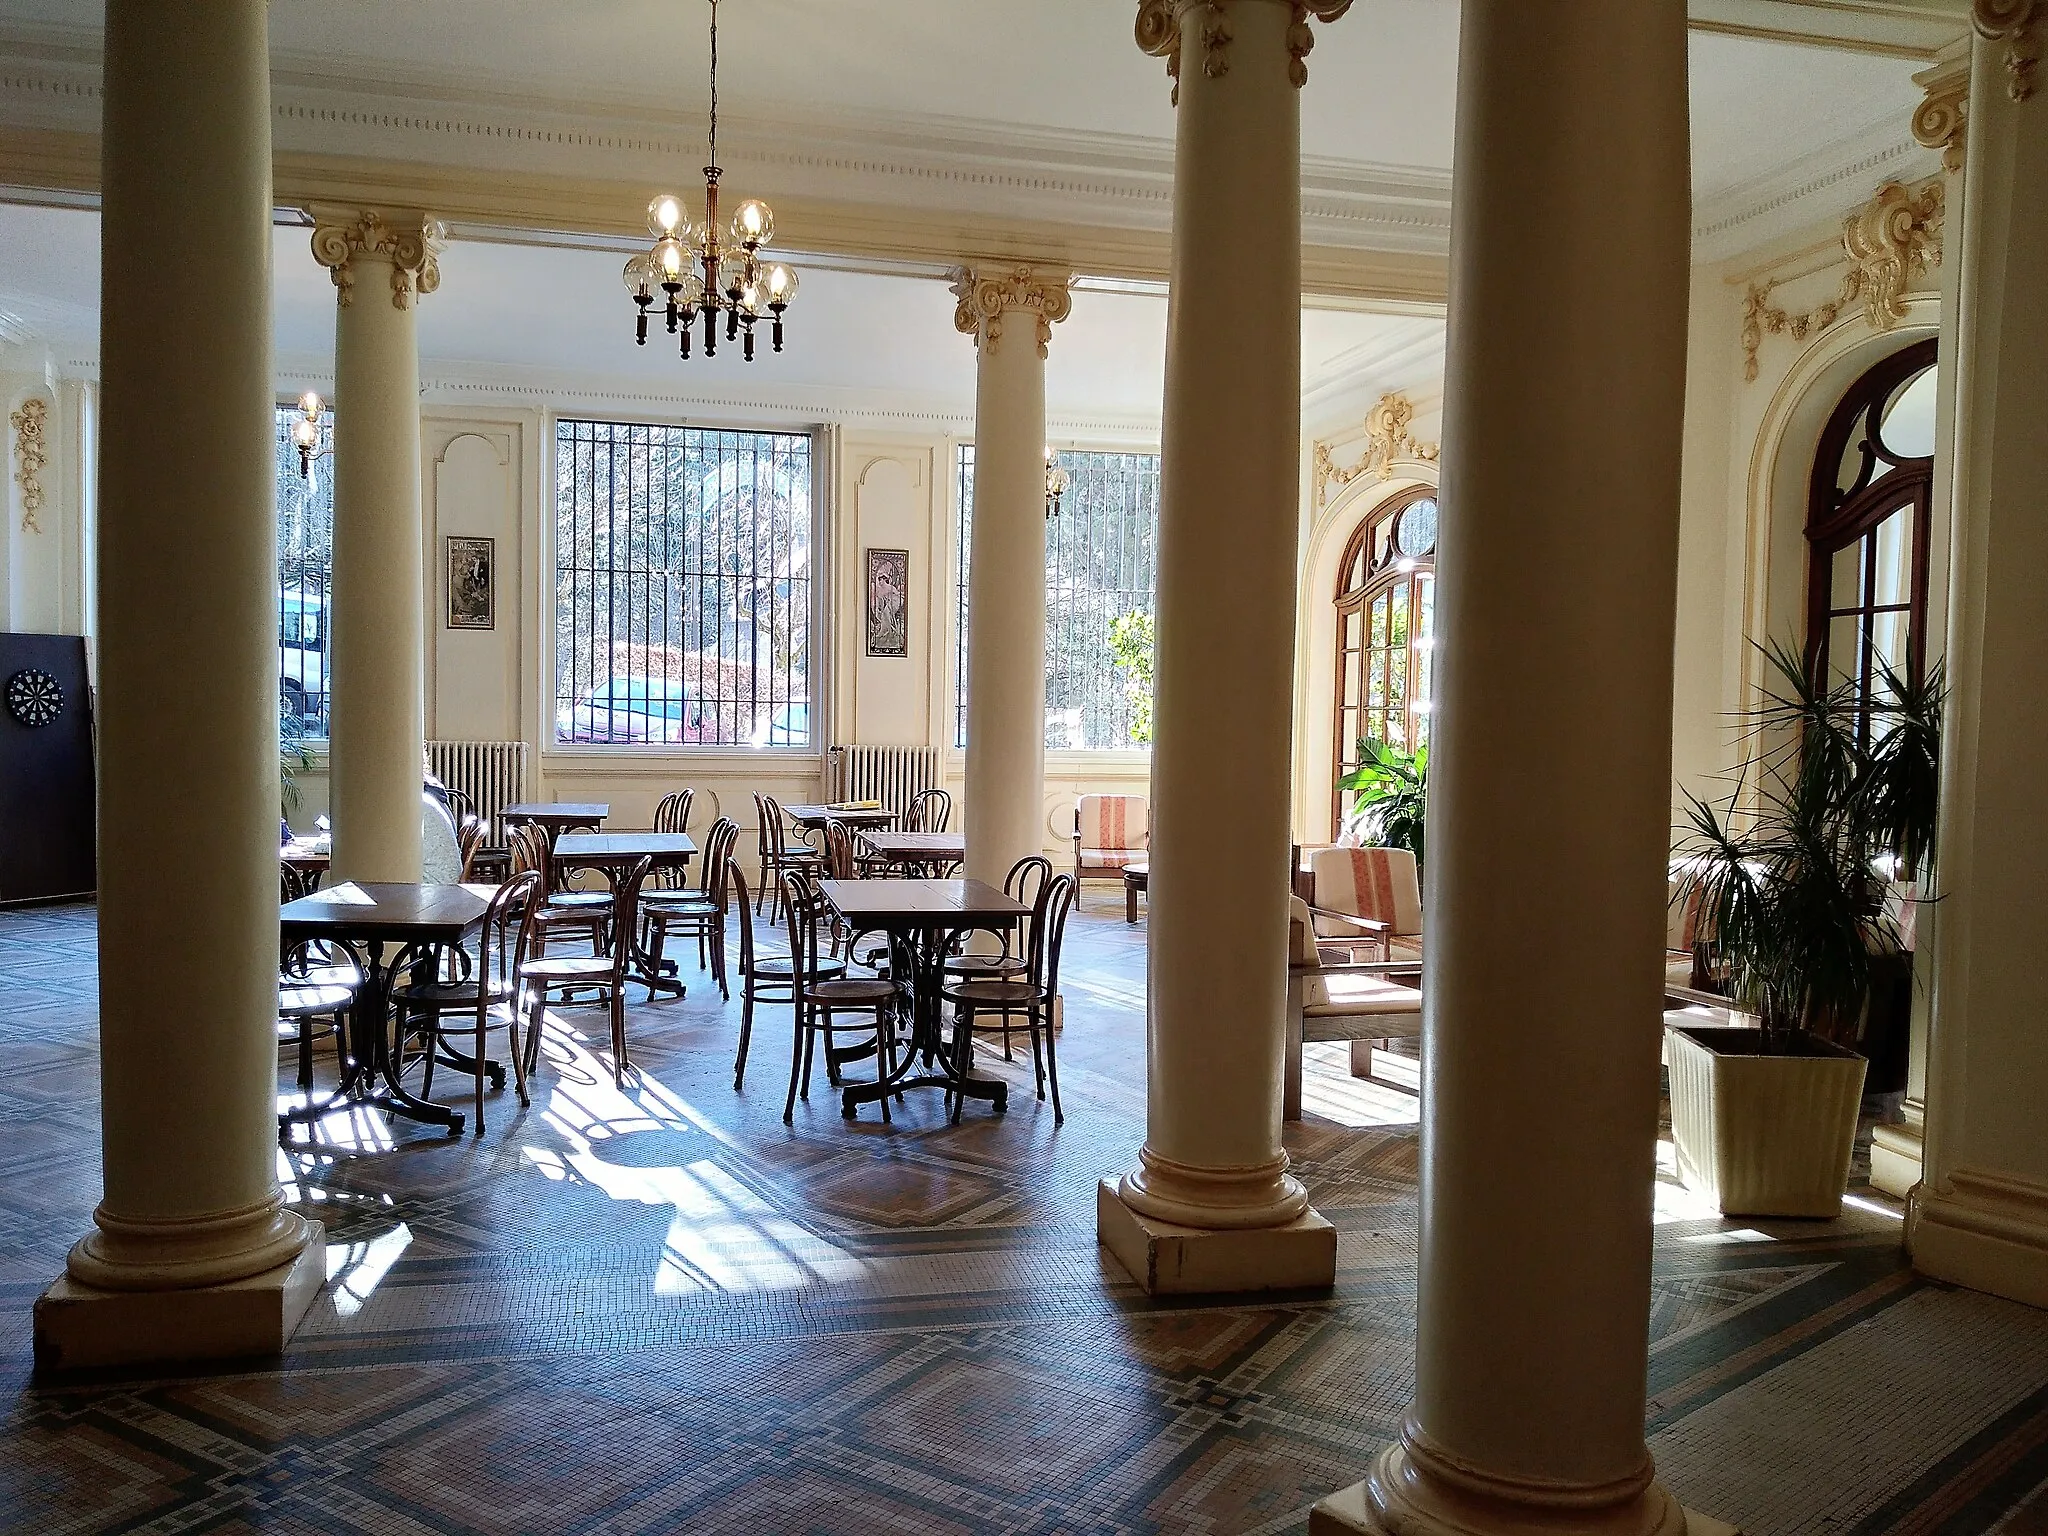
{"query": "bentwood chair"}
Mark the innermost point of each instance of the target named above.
(929, 811)
(763, 978)
(699, 913)
(316, 987)
(816, 997)
(1024, 884)
(672, 815)
(1031, 994)
(489, 997)
(469, 837)
(779, 855)
(530, 851)
(605, 974)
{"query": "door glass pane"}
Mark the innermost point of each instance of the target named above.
(1889, 631)
(1908, 430)
(1845, 584)
(1894, 557)
(1845, 647)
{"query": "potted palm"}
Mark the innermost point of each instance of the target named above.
(1798, 881)
(1390, 794)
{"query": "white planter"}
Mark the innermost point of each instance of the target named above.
(1763, 1135)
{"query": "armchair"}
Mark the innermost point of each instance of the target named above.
(1330, 999)
(1368, 896)
(1111, 832)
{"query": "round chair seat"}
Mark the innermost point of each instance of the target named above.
(676, 903)
(443, 994)
(581, 901)
(779, 968)
(561, 968)
(993, 994)
(854, 991)
(312, 1002)
(984, 967)
(323, 976)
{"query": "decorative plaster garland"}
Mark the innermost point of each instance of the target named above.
(411, 247)
(2012, 22)
(28, 450)
(985, 300)
(1387, 439)
(1159, 34)
(1894, 237)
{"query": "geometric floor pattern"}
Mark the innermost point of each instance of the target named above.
(658, 1309)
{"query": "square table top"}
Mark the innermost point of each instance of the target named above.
(818, 815)
(922, 903)
(376, 909)
(936, 845)
(623, 847)
(558, 810)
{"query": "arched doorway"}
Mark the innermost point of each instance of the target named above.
(1386, 623)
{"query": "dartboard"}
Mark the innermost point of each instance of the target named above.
(34, 698)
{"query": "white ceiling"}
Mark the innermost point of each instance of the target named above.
(1381, 91)
(548, 317)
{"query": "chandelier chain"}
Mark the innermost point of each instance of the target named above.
(714, 82)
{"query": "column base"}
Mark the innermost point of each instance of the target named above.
(1897, 1155)
(1986, 1231)
(1350, 1513)
(79, 1326)
(1170, 1260)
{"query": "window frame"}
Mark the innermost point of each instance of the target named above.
(1355, 600)
(634, 756)
(1838, 519)
(316, 746)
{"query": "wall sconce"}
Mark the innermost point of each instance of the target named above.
(1056, 482)
(306, 434)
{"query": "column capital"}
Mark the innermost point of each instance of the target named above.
(1942, 118)
(2013, 23)
(986, 296)
(1160, 25)
(409, 242)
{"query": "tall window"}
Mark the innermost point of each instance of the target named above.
(1386, 629)
(1101, 565)
(1869, 521)
(305, 575)
(682, 585)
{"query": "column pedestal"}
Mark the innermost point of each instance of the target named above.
(80, 1326)
(1171, 1260)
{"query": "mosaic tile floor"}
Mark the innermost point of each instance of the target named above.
(660, 1309)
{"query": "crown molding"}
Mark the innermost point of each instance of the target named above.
(1823, 185)
(1901, 29)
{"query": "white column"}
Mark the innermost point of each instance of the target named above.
(1940, 122)
(1010, 313)
(194, 1252)
(381, 262)
(1980, 1217)
(1564, 403)
(1211, 1205)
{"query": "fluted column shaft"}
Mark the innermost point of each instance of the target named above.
(187, 679)
(1010, 313)
(381, 263)
(1557, 578)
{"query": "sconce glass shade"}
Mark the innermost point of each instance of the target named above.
(780, 283)
(639, 277)
(666, 217)
(753, 223)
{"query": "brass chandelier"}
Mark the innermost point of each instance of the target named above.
(728, 279)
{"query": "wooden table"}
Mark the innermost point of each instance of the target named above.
(557, 816)
(307, 861)
(1137, 877)
(921, 917)
(815, 816)
(924, 849)
(365, 919)
(614, 853)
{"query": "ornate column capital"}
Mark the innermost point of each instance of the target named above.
(1161, 25)
(2013, 23)
(1942, 118)
(986, 297)
(409, 242)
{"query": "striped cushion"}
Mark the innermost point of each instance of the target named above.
(1379, 883)
(1111, 858)
(1113, 822)
(1348, 993)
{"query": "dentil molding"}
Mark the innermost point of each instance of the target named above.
(1159, 33)
(1890, 240)
(30, 458)
(2013, 23)
(1388, 440)
(409, 242)
(986, 298)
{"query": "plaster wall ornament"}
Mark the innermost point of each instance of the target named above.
(410, 243)
(30, 459)
(1890, 240)
(1942, 118)
(1387, 441)
(1160, 30)
(2014, 23)
(985, 299)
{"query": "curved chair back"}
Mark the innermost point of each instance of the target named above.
(468, 838)
(1025, 884)
(774, 836)
(528, 846)
(736, 888)
(718, 846)
(626, 914)
(841, 854)
(1049, 932)
(461, 805)
(804, 912)
(508, 934)
(930, 810)
(673, 813)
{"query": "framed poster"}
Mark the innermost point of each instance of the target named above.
(888, 602)
(472, 573)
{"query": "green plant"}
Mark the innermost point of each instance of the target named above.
(1131, 648)
(293, 756)
(1390, 794)
(1791, 876)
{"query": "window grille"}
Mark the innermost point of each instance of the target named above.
(1101, 564)
(305, 575)
(683, 599)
